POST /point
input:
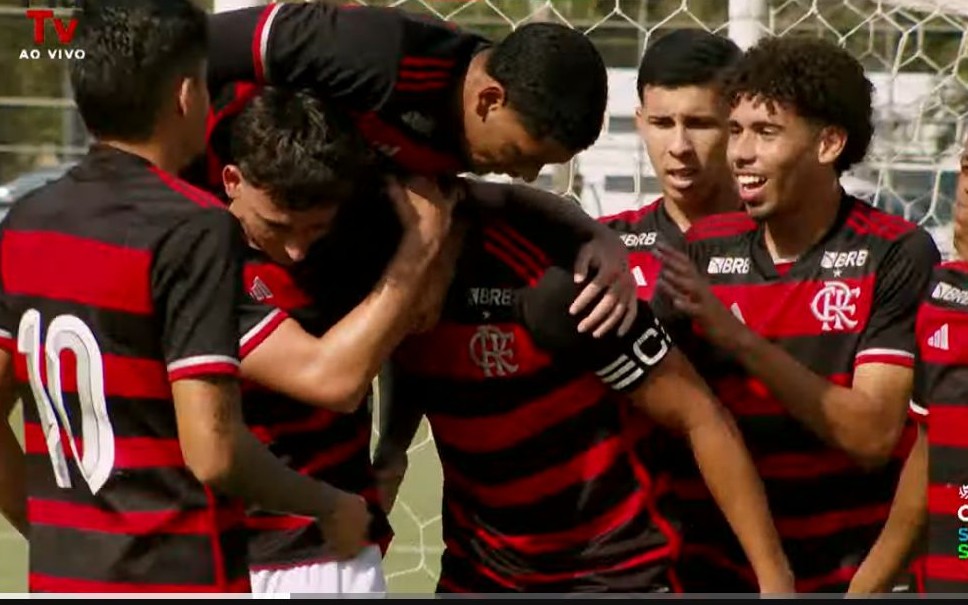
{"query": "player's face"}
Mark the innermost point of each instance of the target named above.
(283, 235)
(773, 153)
(961, 208)
(497, 143)
(685, 133)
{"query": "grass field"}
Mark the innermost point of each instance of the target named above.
(411, 564)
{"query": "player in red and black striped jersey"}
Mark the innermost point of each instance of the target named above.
(934, 485)
(806, 306)
(435, 99)
(683, 123)
(118, 293)
(314, 335)
(941, 398)
(545, 486)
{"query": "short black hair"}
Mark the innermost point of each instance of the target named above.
(687, 57)
(555, 81)
(820, 80)
(300, 150)
(134, 52)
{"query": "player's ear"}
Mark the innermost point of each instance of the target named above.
(490, 98)
(232, 180)
(832, 141)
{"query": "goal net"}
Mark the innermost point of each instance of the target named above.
(915, 53)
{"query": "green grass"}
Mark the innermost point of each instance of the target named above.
(412, 562)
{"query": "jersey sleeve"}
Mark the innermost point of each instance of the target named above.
(257, 319)
(348, 53)
(196, 287)
(900, 285)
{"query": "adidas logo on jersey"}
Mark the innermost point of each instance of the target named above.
(939, 340)
(723, 265)
(948, 293)
(259, 290)
(636, 240)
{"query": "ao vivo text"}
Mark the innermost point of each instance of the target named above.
(44, 19)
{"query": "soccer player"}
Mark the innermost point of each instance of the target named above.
(119, 332)
(436, 101)
(934, 485)
(306, 338)
(805, 305)
(683, 120)
(434, 98)
(544, 486)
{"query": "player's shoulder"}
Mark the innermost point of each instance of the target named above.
(632, 219)
(721, 228)
(865, 220)
(949, 286)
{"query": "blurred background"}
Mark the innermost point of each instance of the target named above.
(915, 53)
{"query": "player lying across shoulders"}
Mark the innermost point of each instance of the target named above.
(435, 100)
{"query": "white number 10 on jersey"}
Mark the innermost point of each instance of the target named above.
(67, 332)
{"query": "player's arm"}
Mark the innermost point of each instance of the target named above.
(400, 413)
(864, 420)
(602, 253)
(660, 380)
(336, 369)
(909, 512)
(196, 283)
(13, 481)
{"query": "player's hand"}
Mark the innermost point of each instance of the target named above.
(423, 208)
(347, 528)
(690, 294)
(607, 254)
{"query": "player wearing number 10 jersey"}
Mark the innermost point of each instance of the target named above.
(119, 286)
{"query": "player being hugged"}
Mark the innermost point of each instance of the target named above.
(547, 484)
(806, 304)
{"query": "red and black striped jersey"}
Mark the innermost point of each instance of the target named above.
(641, 230)
(543, 488)
(115, 281)
(326, 445)
(395, 71)
(941, 398)
(849, 300)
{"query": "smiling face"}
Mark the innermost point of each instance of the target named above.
(778, 157)
(685, 134)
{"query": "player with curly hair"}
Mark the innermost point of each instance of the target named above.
(805, 306)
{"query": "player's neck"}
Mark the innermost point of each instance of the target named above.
(160, 154)
(723, 199)
(794, 232)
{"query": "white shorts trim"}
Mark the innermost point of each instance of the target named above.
(361, 575)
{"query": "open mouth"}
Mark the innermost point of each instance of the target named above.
(682, 178)
(750, 185)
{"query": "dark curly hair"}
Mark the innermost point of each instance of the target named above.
(135, 52)
(300, 150)
(817, 78)
(555, 80)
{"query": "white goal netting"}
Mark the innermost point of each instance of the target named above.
(915, 53)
